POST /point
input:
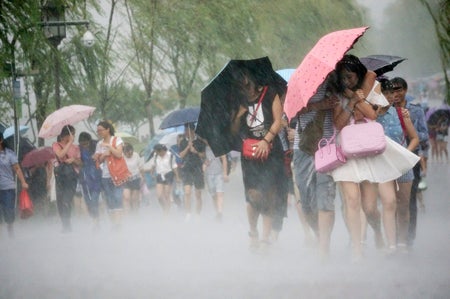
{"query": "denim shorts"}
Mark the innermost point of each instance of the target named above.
(317, 190)
(113, 194)
(8, 205)
(214, 183)
(406, 177)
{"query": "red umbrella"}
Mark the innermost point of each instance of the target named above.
(68, 115)
(38, 156)
(315, 67)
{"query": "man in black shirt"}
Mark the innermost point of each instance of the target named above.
(192, 151)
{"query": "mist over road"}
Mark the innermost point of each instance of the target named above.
(154, 257)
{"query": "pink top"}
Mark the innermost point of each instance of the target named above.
(73, 152)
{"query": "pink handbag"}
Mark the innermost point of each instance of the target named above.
(329, 156)
(363, 139)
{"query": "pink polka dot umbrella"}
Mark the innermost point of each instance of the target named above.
(315, 67)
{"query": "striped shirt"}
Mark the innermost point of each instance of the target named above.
(305, 118)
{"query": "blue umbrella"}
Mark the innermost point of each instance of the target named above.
(10, 131)
(180, 117)
(286, 73)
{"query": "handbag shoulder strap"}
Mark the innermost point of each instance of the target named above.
(253, 117)
(400, 117)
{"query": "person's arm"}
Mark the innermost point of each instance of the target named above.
(20, 176)
(77, 159)
(368, 82)
(62, 150)
(262, 147)
(115, 151)
(412, 134)
(186, 149)
(421, 125)
(343, 113)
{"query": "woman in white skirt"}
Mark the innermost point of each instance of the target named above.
(362, 179)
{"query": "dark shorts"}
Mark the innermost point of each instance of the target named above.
(8, 205)
(133, 184)
(193, 176)
(166, 179)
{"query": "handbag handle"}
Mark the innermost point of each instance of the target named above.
(327, 141)
(352, 120)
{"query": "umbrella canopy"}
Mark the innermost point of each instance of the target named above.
(38, 156)
(434, 115)
(381, 64)
(10, 131)
(180, 117)
(127, 137)
(68, 115)
(222, 97)
(316, 66)
(285, 73)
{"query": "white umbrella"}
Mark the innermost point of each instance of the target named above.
(68, 115)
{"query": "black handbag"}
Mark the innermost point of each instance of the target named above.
(65, 170)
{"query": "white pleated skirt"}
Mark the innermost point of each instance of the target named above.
(390, 165)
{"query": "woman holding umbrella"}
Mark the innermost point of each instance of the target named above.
(264, 178)
(359, 178)
(66, 173)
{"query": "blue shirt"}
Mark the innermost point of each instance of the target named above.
(7, 160)
(392, 126)
(418, 119)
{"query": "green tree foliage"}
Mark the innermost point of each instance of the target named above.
(440, 14)
(290, 28)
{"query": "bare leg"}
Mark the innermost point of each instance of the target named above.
(135, 200)
(369, 196)
(352, 197)
(326, 223)
(403, 197)
(306, 228)
(187, 199)
(198, 196)
(266, 228)
(388, 200)
(127, 199)
(363, 226)
(160, 194)
(219, 204)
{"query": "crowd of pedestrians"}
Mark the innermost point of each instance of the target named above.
(284, 167)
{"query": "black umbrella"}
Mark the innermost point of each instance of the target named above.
(222, 97)
(438, 115)
(381, 64)
(180, 117)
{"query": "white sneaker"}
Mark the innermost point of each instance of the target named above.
(422, 185)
